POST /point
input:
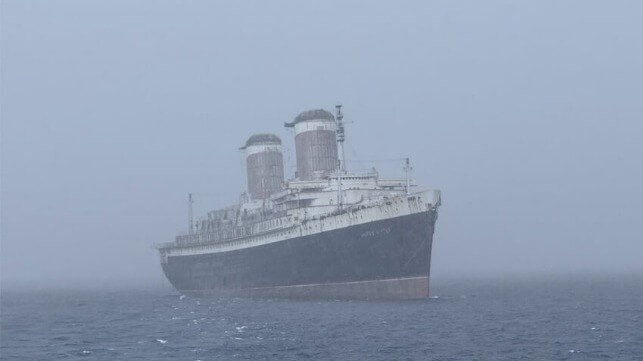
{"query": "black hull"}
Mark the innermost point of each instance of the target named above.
(384, 259)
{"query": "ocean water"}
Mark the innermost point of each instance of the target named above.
(572, 319)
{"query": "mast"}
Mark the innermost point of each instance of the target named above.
(190, 222)
(407, 171)
(341, 136)
(341, 167)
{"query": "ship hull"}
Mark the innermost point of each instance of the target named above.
(385, 259)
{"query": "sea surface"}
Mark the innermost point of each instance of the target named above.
(547, 319)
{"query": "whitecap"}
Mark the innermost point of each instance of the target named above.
(240, 329)
(182, 297)
(161, 341)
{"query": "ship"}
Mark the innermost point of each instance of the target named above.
(327, 233)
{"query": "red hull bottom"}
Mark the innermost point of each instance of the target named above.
(408, 288)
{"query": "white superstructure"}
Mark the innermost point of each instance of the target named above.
(299, 221)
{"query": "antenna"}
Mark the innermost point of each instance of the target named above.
(341, 168)
(407, 171)
(191, 223)
(341, 136)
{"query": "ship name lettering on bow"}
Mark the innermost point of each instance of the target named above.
(377, 232)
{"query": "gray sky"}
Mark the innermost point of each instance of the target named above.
(526, 114)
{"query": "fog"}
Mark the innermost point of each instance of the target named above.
(527, 115)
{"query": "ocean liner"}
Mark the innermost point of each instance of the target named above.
(327, 233)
